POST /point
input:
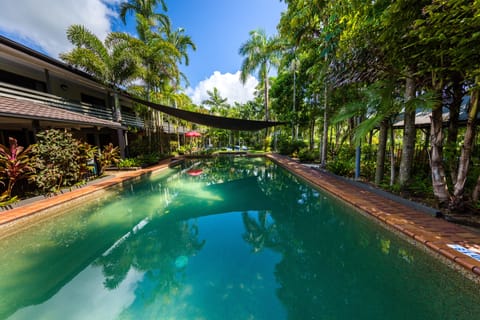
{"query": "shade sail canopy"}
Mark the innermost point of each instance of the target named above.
(209, 120)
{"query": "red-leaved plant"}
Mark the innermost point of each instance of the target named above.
(14, 165)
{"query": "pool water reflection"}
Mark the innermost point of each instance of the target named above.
(243, 240)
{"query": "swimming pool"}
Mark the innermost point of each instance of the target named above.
(223, 238)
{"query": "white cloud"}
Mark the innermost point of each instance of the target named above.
(45, 22)
(228, 85)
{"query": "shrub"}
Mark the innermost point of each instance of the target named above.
(56, 160)
(110, 155)
(306, 155)
(173, 145)
(87, 152)
(288, 147)
(15, 165)
(149, 158)
(129, 163)
(341, 167)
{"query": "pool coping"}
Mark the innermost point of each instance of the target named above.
(10, 217)
(433, 233)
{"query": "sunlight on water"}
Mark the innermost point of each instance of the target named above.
(243, 240)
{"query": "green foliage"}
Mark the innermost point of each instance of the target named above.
(368, 163)
(150, 158)
(421, 187)
(15, 164)
(288, 147)
(267, 143)
(129, 163)
(183, 149)
(306, 155)
(340, 167)
(56, 160)
(110, 155)
(112, 62)
(173, 145)
(140, 147)
(343, 163)
(86, 153)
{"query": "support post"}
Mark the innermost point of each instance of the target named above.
(358, 151)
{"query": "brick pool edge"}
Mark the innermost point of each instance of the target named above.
(434, 234)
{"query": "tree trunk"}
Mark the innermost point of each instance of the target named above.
(451, 146)
(439, 184)
(409, 134)
(118, 118)
(351, 129)
(325, 129)
(459, 187)
(392, 155)
(311, 140)
(267, 116)
(382, 145)
(476, 191)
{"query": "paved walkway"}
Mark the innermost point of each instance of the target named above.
(437, 234)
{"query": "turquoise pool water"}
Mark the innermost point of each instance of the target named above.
(242, 239)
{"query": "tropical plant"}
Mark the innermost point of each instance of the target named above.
(129, 163)
(144, 8)
(15, 164)
(260, 52)
(87, 153)
(112, 62)
(218, 105)
(56, 160)
(110, 155)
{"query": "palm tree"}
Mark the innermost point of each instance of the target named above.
(218, 105)
(144, 8)
(114, 62)
(177, 38)
(260, 53)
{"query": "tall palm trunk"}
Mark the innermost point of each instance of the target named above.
(459, 187)
(267, 116)
(409, 134)
(439, 183)
(266, 87)
(452, 136)
(118, 118)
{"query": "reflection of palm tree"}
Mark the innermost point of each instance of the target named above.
(150, 249)
(259, 233)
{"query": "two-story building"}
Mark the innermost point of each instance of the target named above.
(38, 92)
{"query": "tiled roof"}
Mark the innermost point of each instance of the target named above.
(19, 108)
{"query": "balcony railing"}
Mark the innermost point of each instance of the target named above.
(8, 90)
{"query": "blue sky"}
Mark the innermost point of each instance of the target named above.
(218, 28)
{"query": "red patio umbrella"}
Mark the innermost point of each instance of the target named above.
(193, 134)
